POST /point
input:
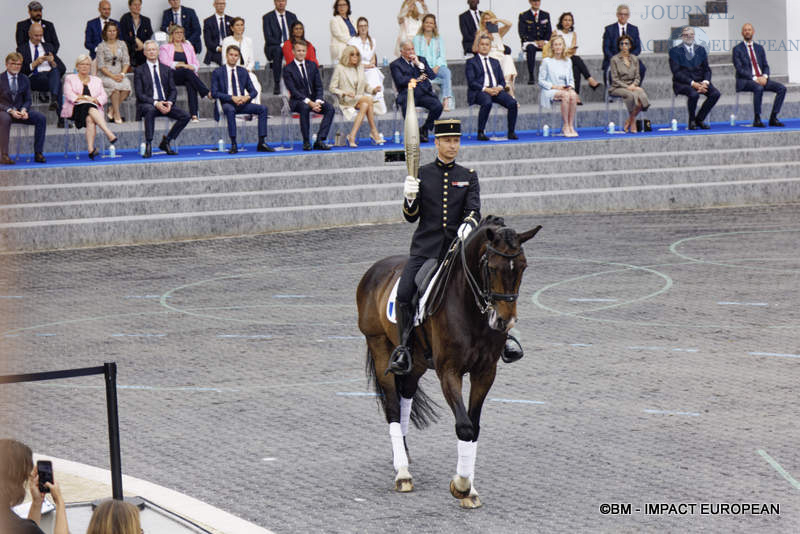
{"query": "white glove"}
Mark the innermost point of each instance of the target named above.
(464, 230)
(411, 188)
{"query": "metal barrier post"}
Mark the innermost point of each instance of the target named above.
(110, 372)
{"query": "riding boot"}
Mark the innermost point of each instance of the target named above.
(513, 349)
(400, 363)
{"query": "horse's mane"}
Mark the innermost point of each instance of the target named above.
(498, 224)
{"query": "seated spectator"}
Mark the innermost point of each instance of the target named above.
(15, 107)
(468, 22)
(496, 28)
(534, 31)
(410, 21)
(304, 83)
(93, 35)
(17, 470)
(247, 59)
(115, 517)
(366, 46)
(557, 84)
(428, 44)
(624, 76)
(112, 64)
(179, 55)
(298, 33)
(215, 29)
(611, 36)
(186, 17)
(691, 76)
(342, 30)
(566, 29)
(752, 75)
(349, 84)
(409, 67)
(42, 66)
(276, 25)
(84, 98)
(35, 16)
(485, 86)
(232, 86)
(135, 29)
(156, 94)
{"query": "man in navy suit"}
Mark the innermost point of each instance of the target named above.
(409, 67)
(155, 97)
(35, 15)
(485, 86)
(42, 66)
(611, 35)
(216, 28)
(304, 84)
(185, 17)
(469, 21)
(277, 25)
(94, 28)
(15, 105)
(691, 76)
(231, 85)
(752, 74)
(534, 30)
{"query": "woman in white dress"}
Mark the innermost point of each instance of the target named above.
(410, 21)
(354, 95)
(247, 59)
(496, 29)
(557, 84)
(366, 46)
(342, 29)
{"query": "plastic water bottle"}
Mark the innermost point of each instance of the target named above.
(397, 137)
(674, 125)
(733, 119)
(221, 145)
(611, 127)
(385, 62)
(142, 149)
(257, 66)
(546, 131)
(112, 151)
(314, 138)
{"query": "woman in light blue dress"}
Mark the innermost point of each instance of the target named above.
(557, 83)
(428, 44)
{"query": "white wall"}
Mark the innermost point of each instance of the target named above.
(770, 26)
(793, 36)
(654, 20)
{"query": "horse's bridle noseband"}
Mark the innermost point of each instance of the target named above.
(486, 298)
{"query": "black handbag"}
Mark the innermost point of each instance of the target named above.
(643, 125)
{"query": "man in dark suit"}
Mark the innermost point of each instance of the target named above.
(411, 67)
(752, 74)
(304, 83)
(691, 76)
(93, 34)
(216, 28)
(15, 105)
(35, 15)
(611, 35)
(155, 97)
(469, 21)
(231, 85)
(42, 66)
(534, 30)
(485, 86)
(277, 25)
(185, 17)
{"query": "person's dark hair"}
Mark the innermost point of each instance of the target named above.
(560, 24)
(295, 24)
(336, 12)
(131, 1)
(16, 463)
(108, 25)
(234, 20)
(625, 37)
(233, 47)
(371, 41)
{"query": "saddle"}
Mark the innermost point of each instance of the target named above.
(424, 279)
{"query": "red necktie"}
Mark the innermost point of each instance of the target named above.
(755, 63)
(536, 16)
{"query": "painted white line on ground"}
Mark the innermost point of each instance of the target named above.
(669, 412)
(771, 461)
(345, 337)
(357, 499)
(580, 344)
(664, 348)
(518, 401)
(726, 303)
(775, 354)
(290, 296)
(243, 336)
(143, 296)
(138, 335)
(268, 459)
(11, 297)
(593, 300)
(356, 394)
(45, 335)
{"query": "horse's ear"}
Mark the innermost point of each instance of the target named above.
(490, 235)
(529, 234)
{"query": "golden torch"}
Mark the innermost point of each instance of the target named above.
(412, 133)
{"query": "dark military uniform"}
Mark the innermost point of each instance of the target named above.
(533, 29)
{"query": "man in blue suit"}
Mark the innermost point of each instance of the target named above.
(691, 76)
(304, 83)
(216, 28)
(409, 67)
(485, 86)
(34, 16)
(611, 35)
(43, 67)
(94, 28)
(185, 17)
(752, 74)
(468, 22)
(534, 30)
(277, 25)
(231, 85)
(156, 94)
(15, 105)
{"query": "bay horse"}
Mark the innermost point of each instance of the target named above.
(475, 305)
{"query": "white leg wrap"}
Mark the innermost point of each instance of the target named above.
(466, 458)
(405, 414)
(398, 447)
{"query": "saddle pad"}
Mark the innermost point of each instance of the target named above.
(391, 308)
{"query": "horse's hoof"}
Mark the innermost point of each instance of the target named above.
(403, 485)
(473, 501)
(459, 494)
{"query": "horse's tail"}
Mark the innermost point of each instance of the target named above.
(423, 410)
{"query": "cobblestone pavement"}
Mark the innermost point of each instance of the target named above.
(662, 367)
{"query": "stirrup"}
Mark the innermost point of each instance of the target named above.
(400, 362)
(512, 350)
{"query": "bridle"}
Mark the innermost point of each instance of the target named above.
(485, 299)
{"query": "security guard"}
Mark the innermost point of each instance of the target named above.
(534, 30)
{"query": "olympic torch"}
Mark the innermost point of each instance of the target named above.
(412, 133)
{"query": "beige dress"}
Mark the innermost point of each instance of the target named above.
(622, 76)
(113, 61)
(348, 80)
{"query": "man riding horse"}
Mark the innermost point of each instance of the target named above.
(446, 201)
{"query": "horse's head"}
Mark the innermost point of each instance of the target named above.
(500, 267)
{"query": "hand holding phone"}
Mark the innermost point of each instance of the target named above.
(44, 469)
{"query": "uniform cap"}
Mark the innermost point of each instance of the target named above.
(446, 128)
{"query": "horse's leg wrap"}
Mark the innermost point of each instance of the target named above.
(398, 447)
(466, 458)
(405, 414)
